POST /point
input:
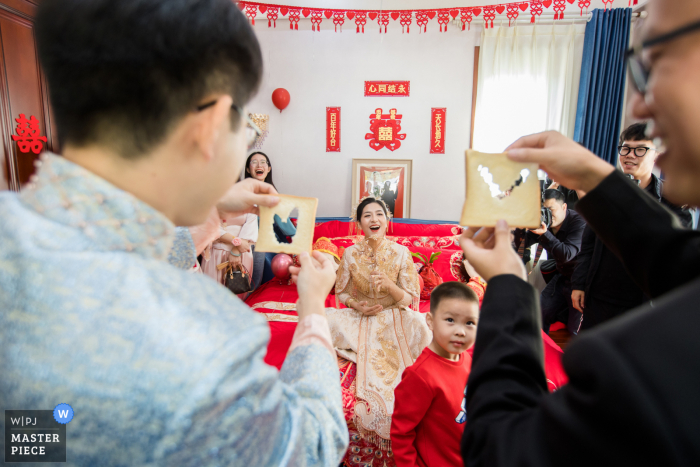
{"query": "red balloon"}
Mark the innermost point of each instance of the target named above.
(280, 97)
(280, 266)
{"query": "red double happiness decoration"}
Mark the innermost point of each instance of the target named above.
(27, 136)
(332, 129)
(387, 88)
(405, 18)
(437, 130)
(385, 130)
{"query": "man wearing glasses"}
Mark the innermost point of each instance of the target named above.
(601, 287)
(632, 397)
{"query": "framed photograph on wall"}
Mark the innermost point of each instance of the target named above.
(386, 179)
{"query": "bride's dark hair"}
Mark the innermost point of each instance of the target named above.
(367, 201)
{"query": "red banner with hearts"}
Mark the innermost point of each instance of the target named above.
(437, 130)
(405, 17)
(332, 129)
(388, 88)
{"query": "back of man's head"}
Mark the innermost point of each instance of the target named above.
(123, 73)
(634, 132)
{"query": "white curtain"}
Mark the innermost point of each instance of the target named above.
(528, 82)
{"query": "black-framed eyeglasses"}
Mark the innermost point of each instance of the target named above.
(638, 70)
(252, 131)
(637, 152)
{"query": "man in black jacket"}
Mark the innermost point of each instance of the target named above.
(562, 240)
(632, 397)
(601, 287)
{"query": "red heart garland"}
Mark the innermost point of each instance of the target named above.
(284, 11)
(476, 11)
(431, 14)
(500, 9)
(395, 15)
(454, 13)
(328, 14)
(523, 6)
(372, 15)
(306, 12)
(350, 14)
(571, 1)
(262, 8)
(547, 3)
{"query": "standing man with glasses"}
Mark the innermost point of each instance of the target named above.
(632, 397)
(601, 287)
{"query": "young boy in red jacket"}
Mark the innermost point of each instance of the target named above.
(430, 406)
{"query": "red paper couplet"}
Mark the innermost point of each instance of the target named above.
(385, 130)
(332, 129)
(437, 130)
(28, 134)
(388, 88)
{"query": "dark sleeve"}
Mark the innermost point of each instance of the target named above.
(564, 251)
(657, 252)
(514, 422)
(583, 261)
(682, 212)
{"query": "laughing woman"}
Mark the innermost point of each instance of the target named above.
(381, 330)
(258, 166)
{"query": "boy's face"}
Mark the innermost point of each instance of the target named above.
(453, 325)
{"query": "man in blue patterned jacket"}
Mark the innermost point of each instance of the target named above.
(162, 367)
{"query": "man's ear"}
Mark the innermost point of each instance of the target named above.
(429, 320)
(563, 205)
(210, 124)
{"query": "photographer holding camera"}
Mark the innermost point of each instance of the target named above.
(562, 240)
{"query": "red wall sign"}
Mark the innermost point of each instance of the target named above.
(437, 130)
(385, 130)
(28, 134)
(387, 88)
(332, 129)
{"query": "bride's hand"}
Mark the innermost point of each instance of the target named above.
(368, 310)
(381, 281)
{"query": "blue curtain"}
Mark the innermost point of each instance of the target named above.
(601, 91)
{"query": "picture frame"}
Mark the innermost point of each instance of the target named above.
(372, 177)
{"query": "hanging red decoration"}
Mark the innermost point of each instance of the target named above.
(385, 130)
(388, 88)
(466, 17)
(280, 97)
(559, 7)
(338, 20)
(422, 20)
(361, 20)
(316, 18)
(332, 129)
(437, 130)
(294, 18)
(383, 21)
(584, 4)
(272, 16)
(632, 2)
(536, 9)
(251, 11)
(443, 19)
(406, 18)
(489, 15)
(28, 134)
(513, 12)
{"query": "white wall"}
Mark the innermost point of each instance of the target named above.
(324, 69)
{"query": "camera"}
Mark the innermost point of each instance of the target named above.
(546, 216)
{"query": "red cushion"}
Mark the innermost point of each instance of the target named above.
(333, 229)
(447, 264)
(443, 243)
